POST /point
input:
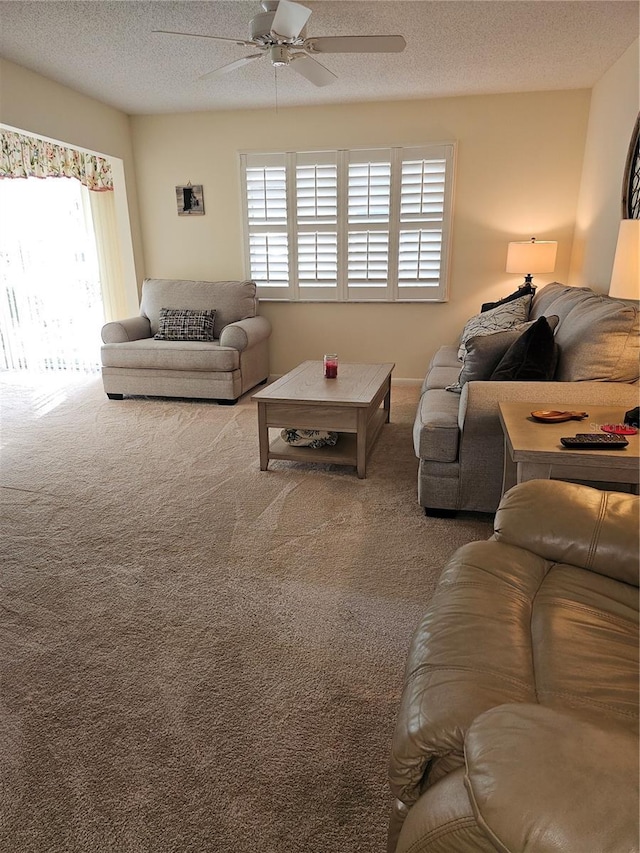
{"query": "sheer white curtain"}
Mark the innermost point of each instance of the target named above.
(61, 271)
(105, 226)
(50, 300)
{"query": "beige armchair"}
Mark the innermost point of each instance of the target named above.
(234, 360)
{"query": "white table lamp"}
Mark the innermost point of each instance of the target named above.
(531, 256)
(625, 276)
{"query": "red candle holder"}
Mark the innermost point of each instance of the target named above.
(330, 363)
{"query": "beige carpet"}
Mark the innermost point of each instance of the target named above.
(197, 656)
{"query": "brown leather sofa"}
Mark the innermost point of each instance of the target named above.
(518, 724)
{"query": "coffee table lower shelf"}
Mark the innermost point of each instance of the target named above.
(345, 452)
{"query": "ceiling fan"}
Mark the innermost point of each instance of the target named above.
(278, 32)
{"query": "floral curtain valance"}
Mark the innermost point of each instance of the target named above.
(25, 157)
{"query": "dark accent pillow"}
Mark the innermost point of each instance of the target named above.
(483, 353)
(185, 324)
(532, 358)
(521, 291)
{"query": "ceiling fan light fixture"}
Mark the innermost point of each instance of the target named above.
(279, 55)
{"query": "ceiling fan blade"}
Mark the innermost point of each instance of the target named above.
(231, 66)
(289, 19)
(311, 69)
(241, 42)
(355, 44)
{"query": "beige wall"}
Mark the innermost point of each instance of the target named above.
(33, 103)
(519, 162)
(615, 103)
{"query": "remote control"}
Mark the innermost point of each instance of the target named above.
(595, 441)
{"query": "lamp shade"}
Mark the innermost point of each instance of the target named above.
(625, 277)
(532, 256)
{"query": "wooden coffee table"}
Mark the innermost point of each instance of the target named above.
(356, 404)
(532, 450)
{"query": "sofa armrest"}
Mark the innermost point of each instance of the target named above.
(543, 780)
(462, 662)
(441, 820)
(569, 523)
(121, 331)
(245, 333)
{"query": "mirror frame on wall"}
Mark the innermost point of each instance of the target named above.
(631, 180)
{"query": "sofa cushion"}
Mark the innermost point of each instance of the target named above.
(446, 356)
(185, 324)
(599, 340)
(231, 300)
(495, 320)
(170, 355)
(441, 377)
(556, 298)
(435, 429)
(599, 337)
(532, 357)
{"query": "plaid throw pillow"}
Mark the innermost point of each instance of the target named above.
(183, 324)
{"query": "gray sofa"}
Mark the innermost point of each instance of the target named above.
(457, 436)
(222, 369)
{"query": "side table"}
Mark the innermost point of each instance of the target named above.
(532, 449)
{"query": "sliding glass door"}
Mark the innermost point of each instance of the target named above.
(51, 308)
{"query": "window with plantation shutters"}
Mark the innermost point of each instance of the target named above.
(367, 224)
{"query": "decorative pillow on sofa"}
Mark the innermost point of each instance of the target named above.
(309, 437)
(184, 324)
(483, 353)
(532, 358)
(495, 320)
(523, 290)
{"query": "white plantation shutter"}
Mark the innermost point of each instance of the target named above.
(369, 190)
(317, 192)
(419, 257)
(423, 206)
(370, 224)
(269, 259)
(368, 258)
(422, 189)
(368, 216)
(317, 258)
(267, 195)
(266, 216)
(316, 197)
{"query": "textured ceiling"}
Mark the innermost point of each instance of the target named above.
(457, 47)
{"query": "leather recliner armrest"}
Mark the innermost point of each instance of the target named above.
(442, 820)
(121, 331)
(543, 780)
(568, 523)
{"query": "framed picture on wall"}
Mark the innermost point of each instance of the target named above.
(190, 200)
